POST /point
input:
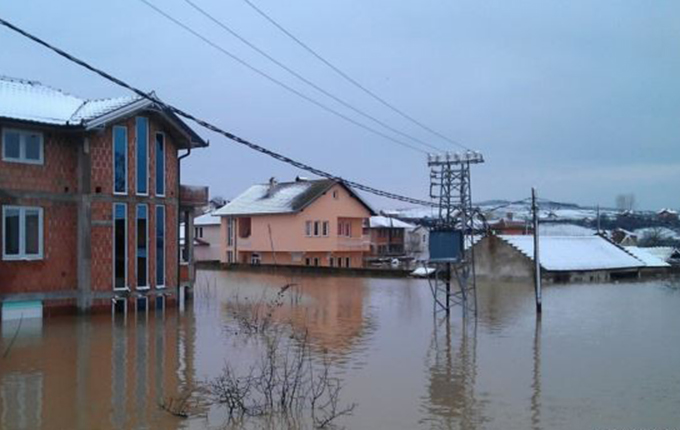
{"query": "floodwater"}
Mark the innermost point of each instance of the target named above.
(602, 356)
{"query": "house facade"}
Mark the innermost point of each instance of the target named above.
(207, 238)
(388, 236)
(90, 199)
(590, 258)
(302, 223)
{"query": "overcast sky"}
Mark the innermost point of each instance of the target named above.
(579, 98)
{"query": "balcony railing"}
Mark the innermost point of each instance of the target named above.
(362, 243)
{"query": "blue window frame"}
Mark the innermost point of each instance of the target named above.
(142, 137)
(160, 164)
(142, 246)
(120, 151)
(160, 246)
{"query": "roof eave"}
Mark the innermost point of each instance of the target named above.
(191, 137)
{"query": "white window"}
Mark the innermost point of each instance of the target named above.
(22, 146)
(308, 228)
(330, 261)
(325, 228)
(22, 229)
(335, 194)
(316, 261)
(255, 259)
(316, 228)
(347, 262)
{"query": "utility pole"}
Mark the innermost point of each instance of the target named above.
(598, 218)
(537, 262)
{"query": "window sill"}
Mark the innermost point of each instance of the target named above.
(20, 161)
(144, 288)
(21, 258)
(161, 287)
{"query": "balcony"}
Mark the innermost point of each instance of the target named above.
(193, 196)
(362, 243)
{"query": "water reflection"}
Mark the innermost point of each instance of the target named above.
(603, 356)
(94, 373)
(452, 402)
(536, 378)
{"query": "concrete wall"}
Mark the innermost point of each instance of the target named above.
(496, 260)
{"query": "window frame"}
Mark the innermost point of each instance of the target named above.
(159, 209)
(161, 161)
(148, 284)
(325, 228)
(230, 231)
(22, 256)
(146, 156)
(308, 228)
(125, 247)
(113, 146)
(22, 146)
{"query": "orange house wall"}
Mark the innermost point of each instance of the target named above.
(288, 232)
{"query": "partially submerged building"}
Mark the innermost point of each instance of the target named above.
(562, 259)
(388, 236)
(207, 236)
(302, 223)
(90, 200)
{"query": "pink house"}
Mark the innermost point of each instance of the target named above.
(305, 222)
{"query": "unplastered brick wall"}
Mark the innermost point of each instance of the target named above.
(101, 149)
(57, 174)
(57, 270)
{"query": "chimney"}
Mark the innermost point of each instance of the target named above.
(272, 185)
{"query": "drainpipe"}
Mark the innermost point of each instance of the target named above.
(179, 211)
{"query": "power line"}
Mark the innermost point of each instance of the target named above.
(276, 81)
(231, 31)
(214, 128)
(350, 79)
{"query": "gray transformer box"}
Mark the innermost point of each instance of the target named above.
(446, 246)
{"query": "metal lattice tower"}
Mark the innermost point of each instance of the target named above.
(451, 253)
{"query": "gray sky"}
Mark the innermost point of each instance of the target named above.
(579, 98)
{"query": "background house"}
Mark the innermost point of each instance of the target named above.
(304, 222)
(90, 199)
(563, 259)
(387, 236)
(207, 235)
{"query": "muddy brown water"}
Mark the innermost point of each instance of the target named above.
(602, 356)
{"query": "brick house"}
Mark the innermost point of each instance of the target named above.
(90, 199)
(301, 223)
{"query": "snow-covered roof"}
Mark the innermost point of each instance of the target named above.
(664, 253)
(207, 219)
(31, 101)
(563, 229)
(647, 257)
(280, 198)
(380, 221)
(567, 253)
